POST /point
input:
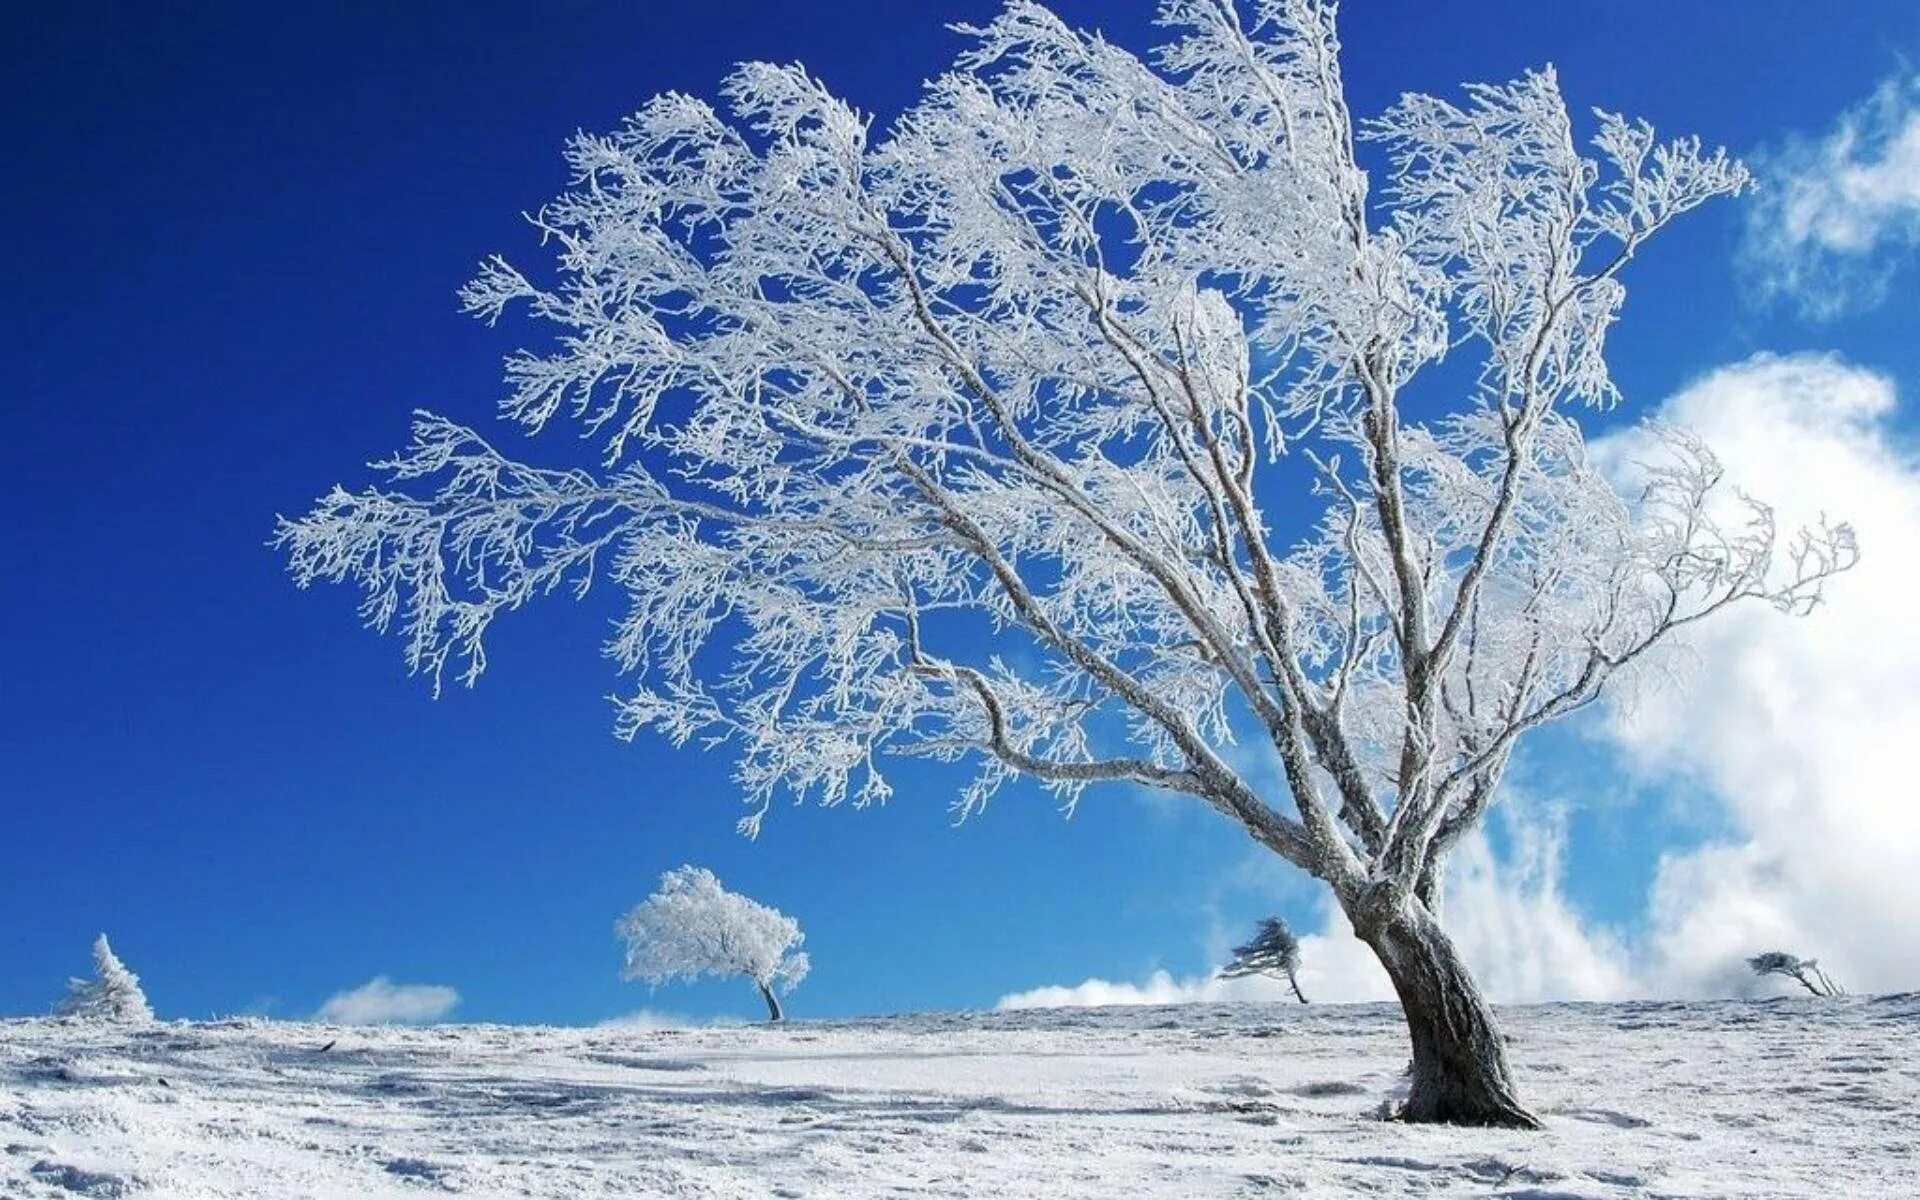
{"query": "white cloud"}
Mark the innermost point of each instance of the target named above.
(380, 1001)
(1523, 938)
(1834, 215)
(1800, 729)
(1796, 731)
(1159, 988)
(648, 1019)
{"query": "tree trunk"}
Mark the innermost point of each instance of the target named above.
(1460, 1074)
(773, 1002)
(1295, 984)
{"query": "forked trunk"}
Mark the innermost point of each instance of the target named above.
(773, 1002)
(1460, 1073)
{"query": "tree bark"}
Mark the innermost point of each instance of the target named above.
(773, 1002)
(1430, 890)
(1295, 984)
(1460, 1073)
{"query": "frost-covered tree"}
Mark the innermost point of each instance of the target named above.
(113, 994)
(1097, 413)
(1805, 971)
(692, 927)
(1273, 951)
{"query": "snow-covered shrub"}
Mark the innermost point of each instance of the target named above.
(113, 994)
(1273, 951)
(1806, 971)
(692, 927)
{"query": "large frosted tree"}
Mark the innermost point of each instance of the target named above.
(692, 927)
(1097, 416)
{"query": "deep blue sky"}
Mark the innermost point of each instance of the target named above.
(233, 236)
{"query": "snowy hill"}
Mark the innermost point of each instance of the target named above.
(1751, 1099)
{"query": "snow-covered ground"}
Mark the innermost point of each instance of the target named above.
(1748, 1099)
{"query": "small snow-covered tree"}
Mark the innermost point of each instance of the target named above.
(1273, 951)
(113, 994)
(1098, 418)
(692, 927)
(1805, 971)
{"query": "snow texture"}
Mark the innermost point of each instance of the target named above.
(1777, 1098)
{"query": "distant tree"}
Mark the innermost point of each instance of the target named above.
(692, 927)
(1805, 971)
(113, 994)
(1086, 424)
(1273, 951)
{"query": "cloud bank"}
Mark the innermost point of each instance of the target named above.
(1789, 736)
(1835, 215)
(1799, 729)
(380, 1001)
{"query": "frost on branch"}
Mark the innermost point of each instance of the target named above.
(692, 927)
(1083, 423)
(113, 994)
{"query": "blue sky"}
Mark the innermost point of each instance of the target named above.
(234, 240)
